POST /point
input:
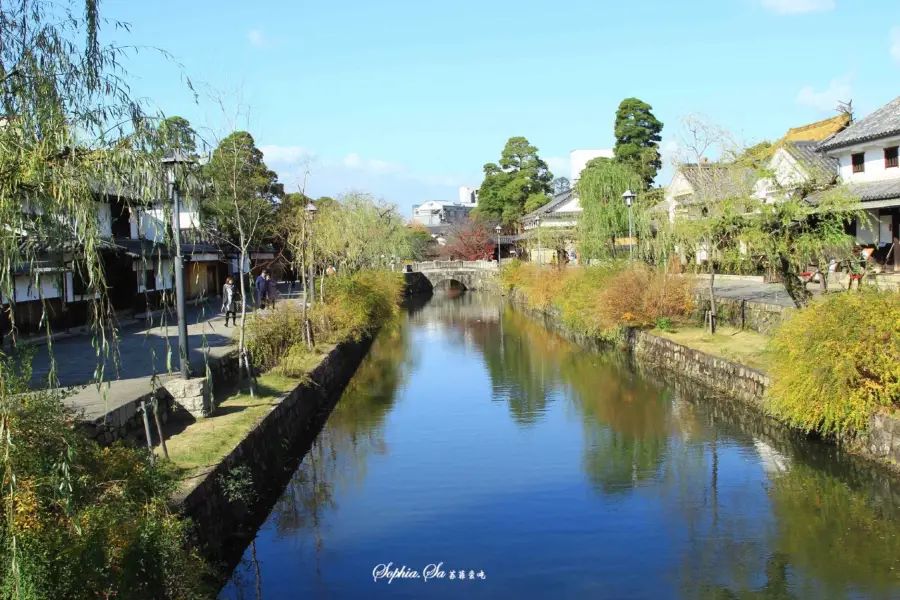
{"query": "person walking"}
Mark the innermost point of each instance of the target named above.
(271, 290)
(260, 286)
(228, 303)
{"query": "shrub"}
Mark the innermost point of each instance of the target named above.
(80, 521)
(270, 335)
(355, 305)
(358, 304)
(836, 362)
(664, 323)
(598, 300)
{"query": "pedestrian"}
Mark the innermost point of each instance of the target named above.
(271, 290)
(292, 280)
(228, 303)
(261, 286)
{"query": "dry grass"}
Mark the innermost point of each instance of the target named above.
(203, 443)
(745, 347)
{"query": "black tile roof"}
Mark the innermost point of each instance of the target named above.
(871, 191)
(557, 200)
(821, 168)
(883, 122)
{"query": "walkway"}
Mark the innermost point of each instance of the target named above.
(751, 291)
(142, 352)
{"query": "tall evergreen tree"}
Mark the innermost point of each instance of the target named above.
(637, 138)
(520, 183)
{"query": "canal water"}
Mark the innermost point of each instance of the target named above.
(474, 439)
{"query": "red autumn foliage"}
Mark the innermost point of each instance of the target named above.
(469, 240)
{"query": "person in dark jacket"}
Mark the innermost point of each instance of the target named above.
(261, 286)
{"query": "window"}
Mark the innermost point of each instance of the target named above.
(859, 162)
(79, 284)
(149, 280)
(891, 158)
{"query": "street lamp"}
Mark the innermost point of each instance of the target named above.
(537, 223)
(170, 164)
(498, 229)
(310, 211)
(629, 197)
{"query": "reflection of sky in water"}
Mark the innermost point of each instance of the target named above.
(560, 473)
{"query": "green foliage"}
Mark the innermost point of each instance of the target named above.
(664, 324)
(837, 362)
(176, 133)
(791, 233)
(356, 305)
(519, 184)
(560, 185)
(637, 133)
(270, 335)
(244, 190)
(419, 243)
(237, 486)
(80, 521)
(357, 232)
(605, 215)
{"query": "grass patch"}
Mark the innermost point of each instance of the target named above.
(745, 347)
(201, 444)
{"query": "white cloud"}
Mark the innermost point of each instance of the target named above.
(256, 37)
(560, 166)
(827, 99)
(286, 154)
(895, 43)
(795, 7)
(372, 165)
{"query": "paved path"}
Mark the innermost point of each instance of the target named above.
(770, 293)
(142, 352)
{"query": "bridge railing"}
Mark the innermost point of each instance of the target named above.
(443, 265)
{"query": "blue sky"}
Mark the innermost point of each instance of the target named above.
(408, 99)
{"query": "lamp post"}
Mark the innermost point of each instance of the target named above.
(309, 211)
(629, 197)
(170, 164)
(498, 229)
(537, 223)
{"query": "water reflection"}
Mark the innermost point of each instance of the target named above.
(687, 495)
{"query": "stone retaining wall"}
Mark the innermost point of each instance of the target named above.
(126, 421)
(756, 316)
(731, 378)
(270, 451)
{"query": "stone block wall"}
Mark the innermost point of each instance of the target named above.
(755, 316)
(126, 421)
(719, 374)
(271, 451)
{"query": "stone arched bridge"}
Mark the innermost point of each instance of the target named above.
(471, 275)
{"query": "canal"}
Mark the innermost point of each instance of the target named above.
(474, 439)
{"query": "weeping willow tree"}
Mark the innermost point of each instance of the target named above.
(77, 521)
(799, 229)
(604, 219)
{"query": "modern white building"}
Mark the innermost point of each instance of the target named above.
(443, 212)
(440, 212)
(468, 196)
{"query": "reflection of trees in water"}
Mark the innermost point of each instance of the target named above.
(825, 537)
(835, 533)
(353, 432)
(523, 360)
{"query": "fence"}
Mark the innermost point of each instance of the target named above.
(439, 265)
